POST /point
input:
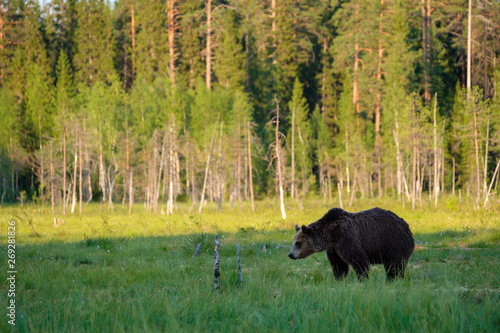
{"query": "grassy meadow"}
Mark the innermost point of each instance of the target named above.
(112, 272)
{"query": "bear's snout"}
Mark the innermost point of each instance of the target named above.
(290, 255)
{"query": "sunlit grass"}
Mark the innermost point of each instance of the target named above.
(111, 271)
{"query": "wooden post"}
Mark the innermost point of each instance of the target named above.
(239, 261)
(198, 249)
(216, 263)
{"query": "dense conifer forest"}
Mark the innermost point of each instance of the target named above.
(159, 102)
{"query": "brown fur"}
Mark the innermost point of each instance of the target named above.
(374, 236)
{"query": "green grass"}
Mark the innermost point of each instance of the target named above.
(117, 272)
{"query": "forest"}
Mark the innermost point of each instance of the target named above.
(160, 102)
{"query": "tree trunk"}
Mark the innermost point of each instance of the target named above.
(487, 195)
(209, 50)
(273, 28)
(425, 36)
(127, 166)
(52, 197)
(436, 171)
(485, 164)
(132, 26)
(354, 183)
(469, 51)
(413, 177)
(378, 106)
(80, 187)
(170, 204)
(453, 178)
(75, 171)
(347, 160)
(236, 190)
(102, 175)
(355, 93)
(398, 160)
(293, 154)
(87, 163)
(202, 198)
(171, 39)
(160, 171)
(250, 176)
(247, 53)
(476, 143)
(42, 175)
(323, 75)
(485, 73)
(429, 176)
(219, 173)
(329, 185)
(278, 157)
(64, 163)
(130, 193)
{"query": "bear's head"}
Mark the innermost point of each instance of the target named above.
(303, 245)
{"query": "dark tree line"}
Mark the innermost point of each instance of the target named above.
(222, 101)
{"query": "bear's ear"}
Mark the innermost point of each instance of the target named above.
(305, 229)
(297, 228)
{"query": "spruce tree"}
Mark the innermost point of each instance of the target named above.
(94, 52)
(152, 39)
(229, 56)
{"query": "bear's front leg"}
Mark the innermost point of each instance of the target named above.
(356, 257)
(340, 267)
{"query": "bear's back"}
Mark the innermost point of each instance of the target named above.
(383, 234)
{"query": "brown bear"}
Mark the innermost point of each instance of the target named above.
(374, 236)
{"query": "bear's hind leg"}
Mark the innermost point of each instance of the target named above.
(362, 269)
(394, 270)
(340, 267)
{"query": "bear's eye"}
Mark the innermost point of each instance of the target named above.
(297, 244)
